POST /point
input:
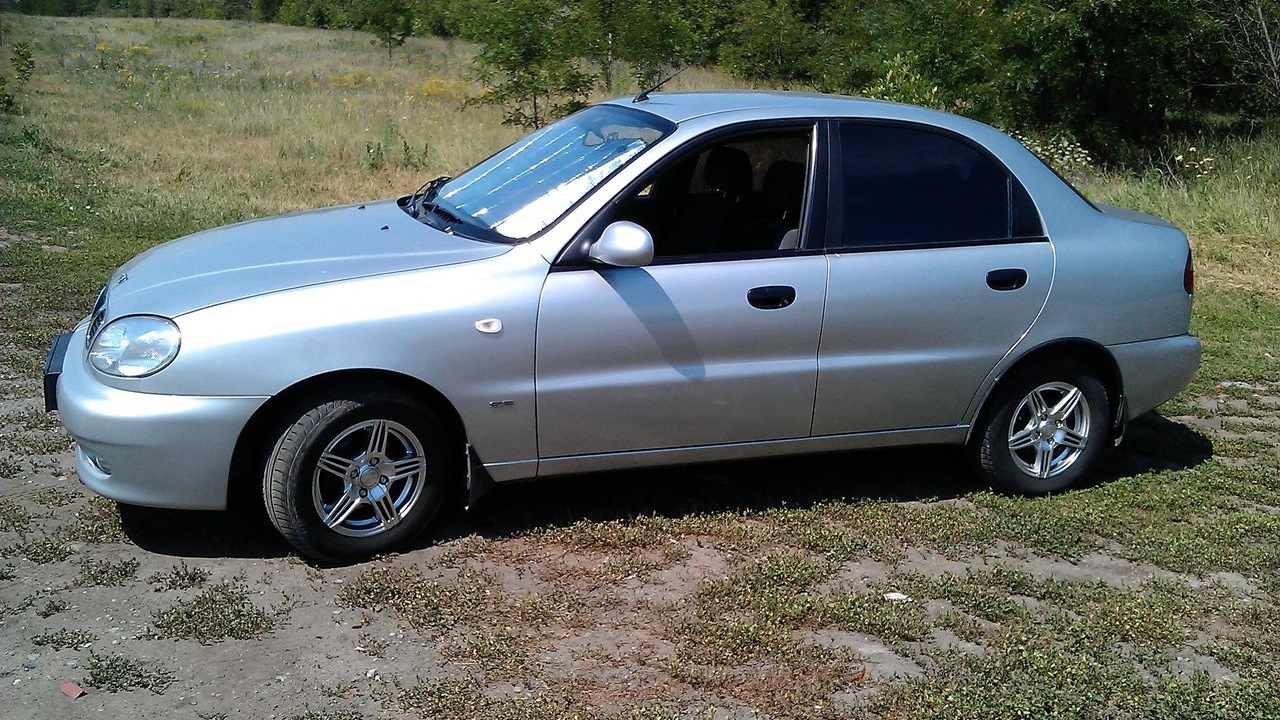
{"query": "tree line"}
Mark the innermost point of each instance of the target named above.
(1117, 75)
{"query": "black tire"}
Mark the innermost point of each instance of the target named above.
(1021, 444)
(386, 470)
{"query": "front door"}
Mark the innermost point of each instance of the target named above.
(676, 355)
(714, 342)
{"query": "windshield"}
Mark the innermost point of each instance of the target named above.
(526, 187)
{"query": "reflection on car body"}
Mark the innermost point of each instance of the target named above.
(690, 277)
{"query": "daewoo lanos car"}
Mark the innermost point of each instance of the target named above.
(677, 278)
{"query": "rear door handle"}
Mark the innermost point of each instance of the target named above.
(771, 297)
(1006, 279)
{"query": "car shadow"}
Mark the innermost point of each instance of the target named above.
(1152, 443)
(895, 475)
(240, 533)
(741, 486)
(913, 474)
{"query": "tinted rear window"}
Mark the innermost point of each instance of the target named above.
(907, 186)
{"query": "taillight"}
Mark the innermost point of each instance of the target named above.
(1189, 276)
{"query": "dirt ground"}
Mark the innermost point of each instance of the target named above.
(516, 612)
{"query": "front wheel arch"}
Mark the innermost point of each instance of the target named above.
(256, 437)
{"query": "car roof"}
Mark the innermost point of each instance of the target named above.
(680, 107)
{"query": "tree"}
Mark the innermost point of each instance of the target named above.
(440, 18)
(653, 38)
(597, 24)
(390, 21)
(1116, 75)
(527, 62)
(1251, 34)
(266, 10)
(771, 42)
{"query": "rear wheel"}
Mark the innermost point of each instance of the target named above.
(356, 476)
(1043, 429)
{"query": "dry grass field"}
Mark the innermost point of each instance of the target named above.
(883, 585)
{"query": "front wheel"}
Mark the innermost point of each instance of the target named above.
(1043, 430)
(356, 476)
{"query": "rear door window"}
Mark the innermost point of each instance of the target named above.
(903, 186)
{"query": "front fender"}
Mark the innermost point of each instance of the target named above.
(421, 323)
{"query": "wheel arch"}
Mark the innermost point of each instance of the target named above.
(1086, 352)
(258, 434)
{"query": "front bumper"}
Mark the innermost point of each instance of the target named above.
(170, 451)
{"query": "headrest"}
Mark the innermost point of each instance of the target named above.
(728, 169)
(784, 184)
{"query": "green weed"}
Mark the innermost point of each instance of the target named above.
(426, 604)
(98, 523)
(14, 517)
(107, 573)
(498, 651)
(51, 608)
(41, 550)
(64, 639)
(39, 433)
(179, 577)
(221, 611)
(56, 497)
(328, 715)
(466, 699)
(9, 468)
(114, 673)
(871, 613)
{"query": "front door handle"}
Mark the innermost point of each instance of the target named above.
(771, 297)
(1006, 279)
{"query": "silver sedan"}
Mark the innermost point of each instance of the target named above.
(678, 278)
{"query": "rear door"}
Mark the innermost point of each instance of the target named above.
(938, 268)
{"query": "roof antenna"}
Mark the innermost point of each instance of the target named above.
(644, 94)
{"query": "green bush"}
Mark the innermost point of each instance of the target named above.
(771, 42)
(1115, 74)
(7, 101)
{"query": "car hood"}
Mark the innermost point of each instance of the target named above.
(281, 253)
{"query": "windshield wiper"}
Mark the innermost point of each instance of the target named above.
(442, 212)
(425, 194)
(423, 202)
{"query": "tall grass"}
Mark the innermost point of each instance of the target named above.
(234, 120)
(1223, 194)
(241, 119)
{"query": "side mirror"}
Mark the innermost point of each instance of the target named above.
(623, 244)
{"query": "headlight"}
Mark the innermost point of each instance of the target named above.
(135, 346)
